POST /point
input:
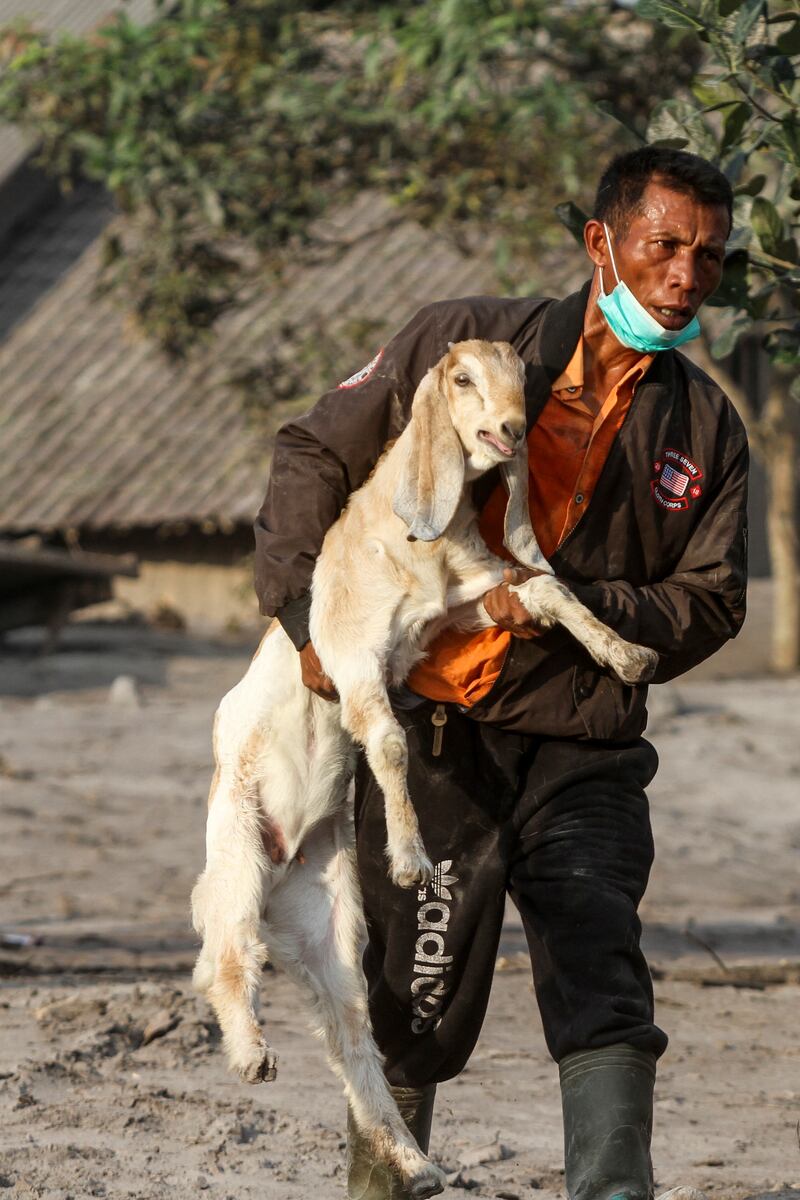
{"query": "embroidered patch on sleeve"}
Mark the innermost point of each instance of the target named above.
(674, 475)
(363, 374)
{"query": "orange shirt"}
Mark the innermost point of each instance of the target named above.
(567, 449)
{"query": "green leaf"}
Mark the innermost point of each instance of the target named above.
(752, 187)
(665, 126)
(573, 218)
(788, 42)
(608, 110)
(735, 120)
(788, 250)
(715, 93)
(733, 290)
(781, 344)
(725, 344)
(767, 224)
(750, 11)
(788, 140)
(677, 123)
(677, 16)
(732, 166)
(727, 7)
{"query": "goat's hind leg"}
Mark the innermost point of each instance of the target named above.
(314, 929)
(550, 601)
(226, 912)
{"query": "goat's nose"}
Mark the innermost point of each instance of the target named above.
(514, 430)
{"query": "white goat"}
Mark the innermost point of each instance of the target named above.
(404, 559)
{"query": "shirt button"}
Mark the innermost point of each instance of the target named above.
(579, 499)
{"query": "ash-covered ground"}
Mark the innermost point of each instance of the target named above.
(112, 1082)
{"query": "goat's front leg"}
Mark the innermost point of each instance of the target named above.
(465, 610)
(367, 716)
(549, 601)
(315, 932)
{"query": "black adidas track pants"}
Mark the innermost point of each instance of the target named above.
(564, 827)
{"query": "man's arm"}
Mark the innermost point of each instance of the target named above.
(323, 456)
(696, 609)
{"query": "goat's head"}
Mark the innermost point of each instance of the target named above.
(484, 385)
(468, 416)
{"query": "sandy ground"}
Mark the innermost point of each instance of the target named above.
(112, 1082)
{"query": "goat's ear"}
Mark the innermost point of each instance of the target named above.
(518, 535)
(432, 475)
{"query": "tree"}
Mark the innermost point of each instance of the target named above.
(224, 129)
(743, 113)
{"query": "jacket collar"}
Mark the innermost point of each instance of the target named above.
(557, 336)
(559, 330)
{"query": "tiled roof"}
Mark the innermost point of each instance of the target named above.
(98, 431)
(66, 16)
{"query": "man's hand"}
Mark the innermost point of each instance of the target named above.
(313, 675)
(506, 609)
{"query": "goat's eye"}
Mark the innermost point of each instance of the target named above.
(463, 380)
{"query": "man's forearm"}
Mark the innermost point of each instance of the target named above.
(294, 618)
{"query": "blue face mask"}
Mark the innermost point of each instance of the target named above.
(632, 324)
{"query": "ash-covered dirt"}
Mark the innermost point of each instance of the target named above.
(112, 1081)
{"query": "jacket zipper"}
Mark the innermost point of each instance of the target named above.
(438, 720)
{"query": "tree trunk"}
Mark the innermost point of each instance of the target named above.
(775, 440)
(783, 549)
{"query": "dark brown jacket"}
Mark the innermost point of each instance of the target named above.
(661, 560)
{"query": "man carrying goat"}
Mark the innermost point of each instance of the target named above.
(527, 765)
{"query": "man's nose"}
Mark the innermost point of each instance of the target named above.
(684, 272)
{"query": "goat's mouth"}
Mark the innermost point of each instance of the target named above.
(506, 451)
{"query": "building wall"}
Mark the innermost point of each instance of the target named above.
(201, 581)
(202, 597)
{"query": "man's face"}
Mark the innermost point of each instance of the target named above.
(671, 256)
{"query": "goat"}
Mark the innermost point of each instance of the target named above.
(404, 559)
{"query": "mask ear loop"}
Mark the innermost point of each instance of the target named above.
(611, 252)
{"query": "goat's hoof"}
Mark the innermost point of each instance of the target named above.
(411, 868)
(262, 1067)
(428, 1182)
(634, 664)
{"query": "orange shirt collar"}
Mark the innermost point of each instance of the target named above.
(572, 375)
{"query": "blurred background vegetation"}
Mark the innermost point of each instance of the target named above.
(227, 132)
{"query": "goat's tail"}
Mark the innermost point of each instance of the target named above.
(227, 898)
(226, 912)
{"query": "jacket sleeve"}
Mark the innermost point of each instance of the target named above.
(687, 616)
(323, 456)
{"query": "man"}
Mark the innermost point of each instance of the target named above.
(528, 768)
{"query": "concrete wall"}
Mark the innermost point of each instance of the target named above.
(201, 581)
(207, 598)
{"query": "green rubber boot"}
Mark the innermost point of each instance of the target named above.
(371, 1180)
(607, 1098)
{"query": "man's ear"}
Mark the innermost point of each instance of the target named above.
(594, 239)
(432, 476)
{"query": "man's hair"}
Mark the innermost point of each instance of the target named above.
(621, 189)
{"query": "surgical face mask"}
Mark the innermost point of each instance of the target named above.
(631, 323)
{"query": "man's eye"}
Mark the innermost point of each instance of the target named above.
(463, 380)
(665, 242)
